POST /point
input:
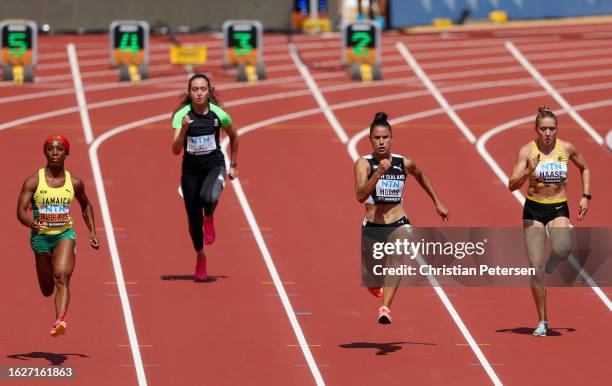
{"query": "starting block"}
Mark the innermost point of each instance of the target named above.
(19, 50)
(130, 49)
(361, 50)
(242, 48)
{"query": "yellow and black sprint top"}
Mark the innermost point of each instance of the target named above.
(552, 169)
(51, 206)
(202, 147)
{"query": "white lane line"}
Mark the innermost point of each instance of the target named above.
(318, 95)
(609, 140)
(112, 243)
(434, 91)
(80, 94)
(470, 136)
(280, 289)
(437, 288)
(481, 147)
(551, 90)
(99, 183)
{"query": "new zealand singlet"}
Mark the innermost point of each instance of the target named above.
(390, 187)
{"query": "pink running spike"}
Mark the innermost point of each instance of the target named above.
(200, 273)
(209, 231)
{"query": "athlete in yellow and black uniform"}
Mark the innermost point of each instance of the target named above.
(50, 192)
(197, 123)
(543, 162)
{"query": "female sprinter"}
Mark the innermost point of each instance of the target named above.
(383, 207)
(543, 162)
(196, 123)
(50, 191)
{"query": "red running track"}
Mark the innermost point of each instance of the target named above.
(297, 178)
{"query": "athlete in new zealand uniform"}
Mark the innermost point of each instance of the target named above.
(379, 183)
(50, 192)
(197, 124)
(543, 162)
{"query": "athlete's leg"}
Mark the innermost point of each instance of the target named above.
(191, 184)
(209, 195)
(211, 189)
(560, 241)
(395, 260)
(535, 237)
(63, 265)
(44, 271)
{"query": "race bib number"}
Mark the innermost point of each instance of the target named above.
(201, 145)
(54, 216)
(551, 172)
(391, 189)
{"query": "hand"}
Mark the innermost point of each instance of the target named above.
(383, 166)
(533, 163)
(442, 211)
(36, 226)
(186, 121)
(583, 208)
(233, 173)
(93, 241)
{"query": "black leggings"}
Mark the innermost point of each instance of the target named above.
(201, 189)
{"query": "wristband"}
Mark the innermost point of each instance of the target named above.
(587, 196)
(233, 164)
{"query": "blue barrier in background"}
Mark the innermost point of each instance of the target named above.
(406, 13)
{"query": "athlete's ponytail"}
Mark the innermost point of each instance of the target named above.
(380, 119)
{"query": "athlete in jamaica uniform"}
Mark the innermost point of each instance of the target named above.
(543, 162)
(197, 123)
(50, 192)
(379, 183)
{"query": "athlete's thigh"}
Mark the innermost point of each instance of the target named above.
(64, 257)
(560, 236)
(44, 271)
(535, 238)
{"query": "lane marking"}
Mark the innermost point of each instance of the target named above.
(434, 91)
(99, 184)
(314, 89)
(551, 90)
(80, 95)
(436, 287)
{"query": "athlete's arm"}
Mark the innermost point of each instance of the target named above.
(522, 168)
(412, 168)
(585, 174)
(364, 186)
(87, 209)
(23, 202)
(179, 135)
(233, 138)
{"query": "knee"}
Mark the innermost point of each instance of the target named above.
(61, 279)
(47, 290)
(537, 280)
(561, 251)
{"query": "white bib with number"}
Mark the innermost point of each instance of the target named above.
(201, 145)
(389, 188)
